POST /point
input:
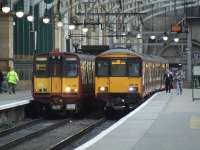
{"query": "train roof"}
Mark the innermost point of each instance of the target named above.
(82, 56)
(145, 57)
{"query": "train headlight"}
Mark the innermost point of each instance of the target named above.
(67, 89)
(103, 89)
(132, 89)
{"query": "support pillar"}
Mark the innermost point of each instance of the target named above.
(189, 55)
(6, 42)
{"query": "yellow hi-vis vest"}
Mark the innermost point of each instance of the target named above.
(12, 77)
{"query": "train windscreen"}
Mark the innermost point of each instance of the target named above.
(70, 67)
(102, 68)
(118, 67)
(41, 67)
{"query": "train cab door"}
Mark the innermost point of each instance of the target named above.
(56, 73)
(119, 80)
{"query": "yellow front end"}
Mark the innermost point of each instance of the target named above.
(117, 84)
(70, 85)
(56, 85)
(42, 85)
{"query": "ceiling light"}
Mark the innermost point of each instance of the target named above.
(165, 38)
(139, 36)
(46, 20)
(85, 29)
(71, 27)
(60, 24)
(20, 14)
(30, 18)
(5, 9)
(152, 37)
(176, 39)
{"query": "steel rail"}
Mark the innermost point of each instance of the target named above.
(76, 136)
(19, 127)
(25, 138)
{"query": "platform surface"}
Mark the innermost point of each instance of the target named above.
(13, 100)
(164, 122)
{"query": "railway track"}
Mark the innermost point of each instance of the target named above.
(59, 137)
(75, 136)
(14, 136)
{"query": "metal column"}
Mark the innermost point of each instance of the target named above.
(189, 55)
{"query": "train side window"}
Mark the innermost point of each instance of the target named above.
(102, 68)
(134, 68)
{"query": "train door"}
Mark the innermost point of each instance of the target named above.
(55, 63)
(119, 81)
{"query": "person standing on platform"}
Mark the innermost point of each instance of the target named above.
(179, 77)
(1, 81)
(12, 79)
(168, 78)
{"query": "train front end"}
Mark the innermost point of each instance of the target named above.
(56, 82)
(118, 80)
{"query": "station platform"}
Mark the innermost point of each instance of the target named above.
(164, 122)
(13, 100)
(12, 106)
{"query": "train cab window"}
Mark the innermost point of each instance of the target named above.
(70, 67)
(56, 66)
(102, 68)
(41, 67)
(134, 68)
(118, 67)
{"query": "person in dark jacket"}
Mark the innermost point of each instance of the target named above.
(168, 78)
(1, 81)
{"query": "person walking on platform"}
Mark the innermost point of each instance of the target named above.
(1, 81)
(179, 77)
(168, 78)
(12, 79)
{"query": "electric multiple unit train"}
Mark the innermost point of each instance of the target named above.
(124, 77)
(116, 78)
(63, 81)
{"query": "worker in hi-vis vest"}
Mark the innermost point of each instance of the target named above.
(12, 79)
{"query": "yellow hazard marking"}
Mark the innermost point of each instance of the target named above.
(195, 122)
